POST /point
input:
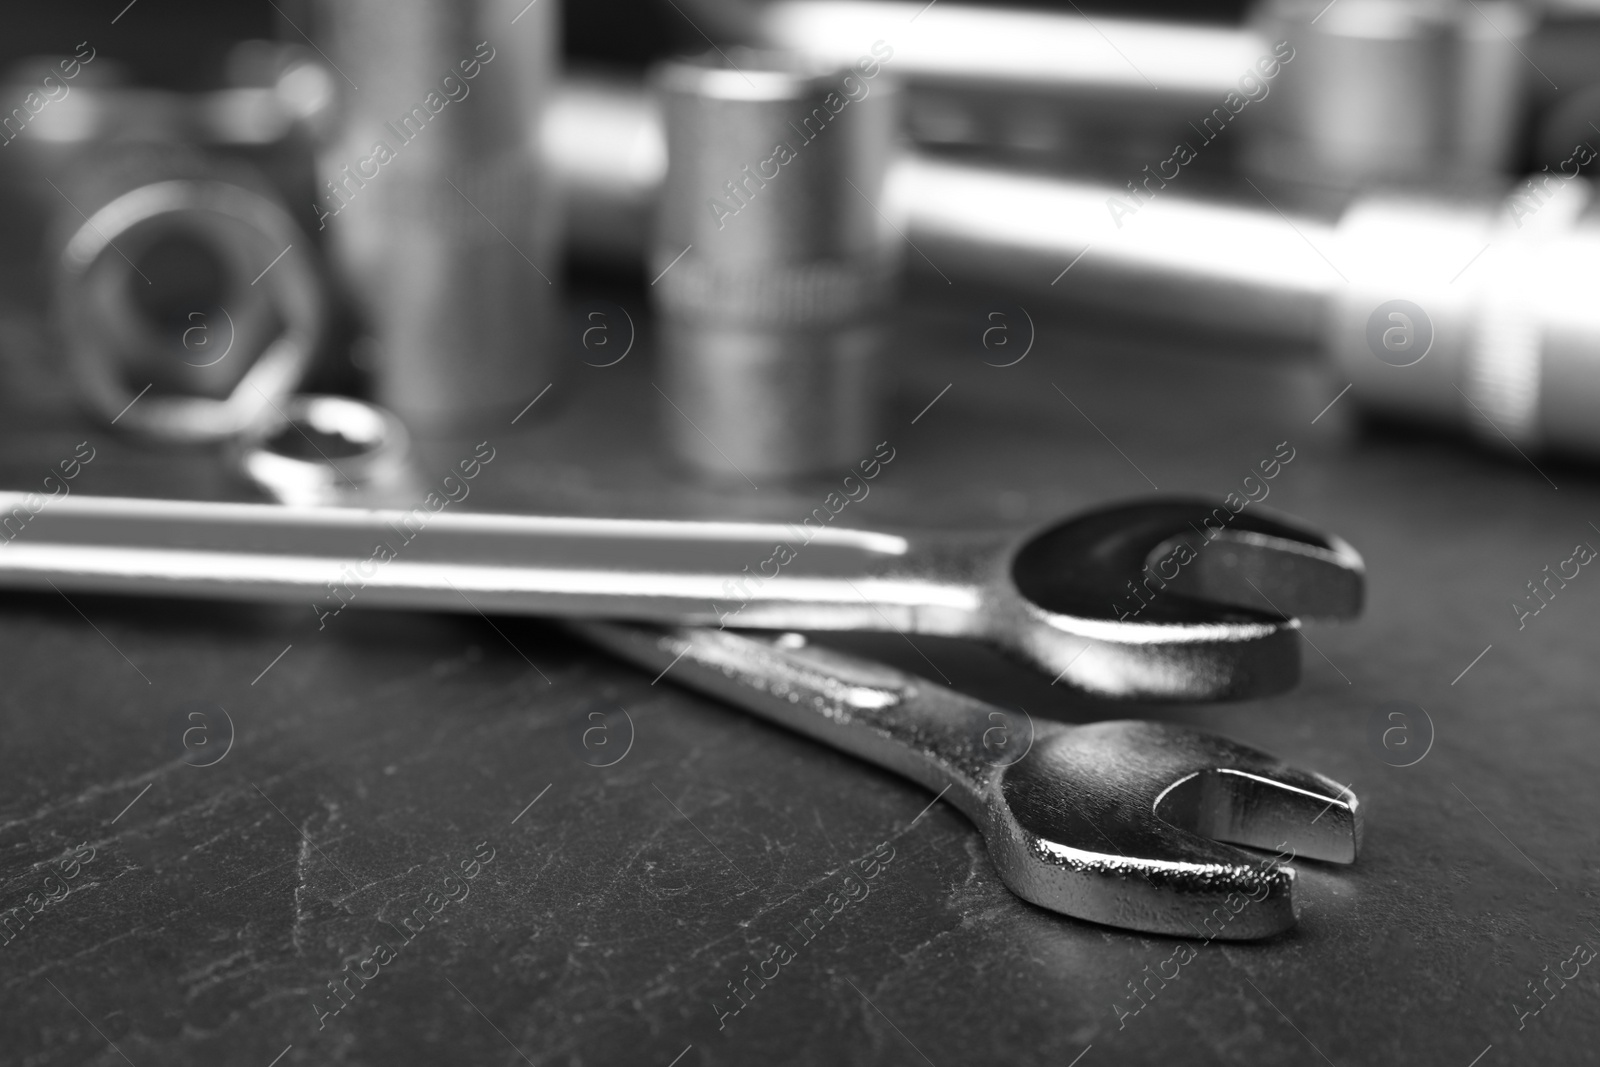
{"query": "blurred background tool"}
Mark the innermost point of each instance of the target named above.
(189, 297)
(189, 302)
(771, 263)
(607, 197)
(263, 107)
(1501, 290)
(1378, 91)
(1417, 91)
(437, 213)
(1498, 330)
(328, 450)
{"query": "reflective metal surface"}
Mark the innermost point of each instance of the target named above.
(772, 263)
(438, 217)
(327, 450)
(603, 142)
(1504, 284)
(1051, 599)
(189, 301)
(1123, 823)
(1420, 91)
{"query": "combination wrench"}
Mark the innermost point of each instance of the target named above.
(1167, 599)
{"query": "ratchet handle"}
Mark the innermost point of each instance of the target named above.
(932, 735)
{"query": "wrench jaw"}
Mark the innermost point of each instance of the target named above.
(1159, 600)
(1304, 577)
(1231, 901)
(1231, 660)
(1126, 823)
(1294, 810)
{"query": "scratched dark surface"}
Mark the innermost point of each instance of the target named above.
(377, 755)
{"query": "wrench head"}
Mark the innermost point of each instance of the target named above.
(1134, 824)
(1177, 599)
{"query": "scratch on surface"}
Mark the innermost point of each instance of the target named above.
(200, 979)
(302, 867)
(200, 846)
(24, 874)
(977, 859)
(285, 993)
(823, 830)
(195, 974)
(91, 950)
(94, 792)
(655, 836)
(653, 986)
(358, 890)
(976, 901)
(206, 805)
(399, 684)
(230, 888)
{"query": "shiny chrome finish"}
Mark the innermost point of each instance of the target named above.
(1062, 599)
(772, 262)
(1418, 91)
(189, 301)
(986, 46)
(1506, 284)
(1240, 268)
(439, 216)
(1237, 268)
(1130, 824)
(327, 450)
(1508, 324)
(1506, 293)
(603, 144)
(1414, 92)
(602, 141)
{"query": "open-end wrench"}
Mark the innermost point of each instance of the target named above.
(1163, 599)
(1121, 823)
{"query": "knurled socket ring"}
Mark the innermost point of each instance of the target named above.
(1503, 376)
(817, 295)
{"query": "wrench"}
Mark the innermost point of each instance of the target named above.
(1121, 823)
(1162, 599)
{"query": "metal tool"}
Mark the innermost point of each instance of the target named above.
(1498, 332)
(1421, 92)
(608, 197)
(771, 265)
(328, 450)
(277, 98)
(1378, 90)
(437, 212)
(1507, 344)
(1219, 623)
(1120, 823)
(189, 301)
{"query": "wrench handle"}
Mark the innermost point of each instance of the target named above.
(439, 559)
(909, 725)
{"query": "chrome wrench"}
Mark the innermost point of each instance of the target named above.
(1162, 599)
(1121, 823)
